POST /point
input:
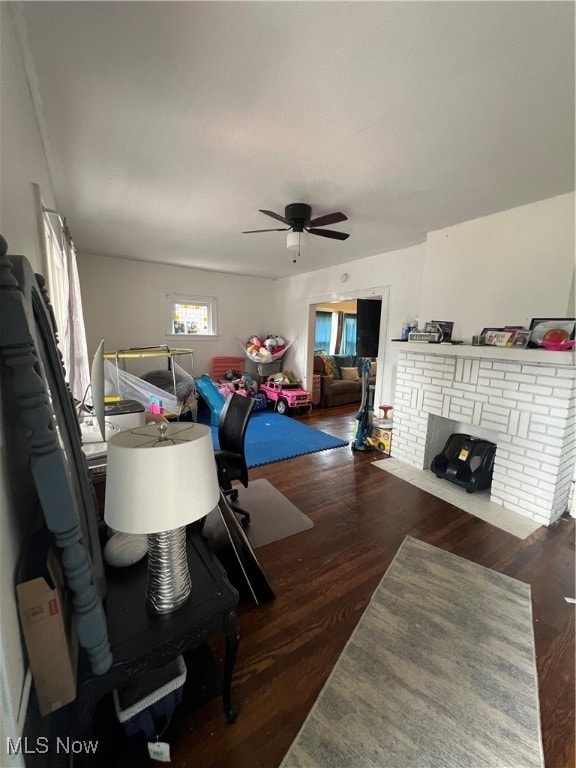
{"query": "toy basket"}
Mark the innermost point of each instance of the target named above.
(267, 369)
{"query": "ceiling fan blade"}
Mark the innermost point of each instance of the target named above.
(251, 231)
(275, 216)
(330, 218)
(329, 233)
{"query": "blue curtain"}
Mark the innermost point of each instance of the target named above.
(348, 345)
(323, 331)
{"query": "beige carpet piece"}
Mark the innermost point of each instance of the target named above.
(439, 673)
(477, 504)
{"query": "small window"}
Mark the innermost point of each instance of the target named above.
(192, 316)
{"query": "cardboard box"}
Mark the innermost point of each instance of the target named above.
(382, 438)
(50, 636)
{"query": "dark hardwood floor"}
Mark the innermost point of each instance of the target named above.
(325, 577)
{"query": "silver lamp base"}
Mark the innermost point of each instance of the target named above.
(168, 586)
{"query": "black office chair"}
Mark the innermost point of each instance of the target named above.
(230, 459)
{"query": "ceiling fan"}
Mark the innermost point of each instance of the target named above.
(298, 216)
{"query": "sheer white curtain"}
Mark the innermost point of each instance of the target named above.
(74, 348)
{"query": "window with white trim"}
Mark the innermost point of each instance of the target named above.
(192, 316)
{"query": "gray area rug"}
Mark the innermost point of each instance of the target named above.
(272, 515)
(439, 672)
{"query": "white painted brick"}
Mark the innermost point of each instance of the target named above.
(538, 370)
(555, 381)
(537, 390)
(546, 459)
(420, 400)
(507, 386)
(535, 401)
(531, 408)
(555, 432)
(522, 378)
(490, 391)
(566, 373)
(463, 388)
(505, 483)
(496, 426)
(547, 420)
(521, 397)
(513, 419)
(547, 486)
(475, 371)
(524, 424)
(536, 428)
(477, 415)
(493, 408)
(459, 369)
(504, 402)
(531, 507)
(534, 495)
(505, 366)
(557, 392)
(507, 496)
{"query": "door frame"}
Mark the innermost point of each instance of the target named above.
(379, 292)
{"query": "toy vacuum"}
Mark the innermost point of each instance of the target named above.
(364, 415)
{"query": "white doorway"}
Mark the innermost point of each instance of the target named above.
(380, 292)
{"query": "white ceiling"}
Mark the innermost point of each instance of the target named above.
(170, 124)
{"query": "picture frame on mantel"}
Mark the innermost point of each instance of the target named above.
(446, 327)
(521, 339)
(552, 329)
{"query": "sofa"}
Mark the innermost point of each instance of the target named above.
(341, 381)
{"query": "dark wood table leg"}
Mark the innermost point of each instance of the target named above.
(232, 632)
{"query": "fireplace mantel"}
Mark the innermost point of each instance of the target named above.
(527, 397)
(488, 352)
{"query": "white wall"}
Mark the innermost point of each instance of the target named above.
(23, 163)
(22, 157)
(502, 269)
(399, 273)
(124, 303)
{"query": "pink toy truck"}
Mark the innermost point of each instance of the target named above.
(286, 396)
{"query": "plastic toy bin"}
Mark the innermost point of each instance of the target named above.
(149, 704)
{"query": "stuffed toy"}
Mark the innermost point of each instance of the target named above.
(265, 350)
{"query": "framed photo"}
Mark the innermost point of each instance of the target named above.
(486, 331)
(521, 339)
(498, 338)
(446, 327)
(556, 330)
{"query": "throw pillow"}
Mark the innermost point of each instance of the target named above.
(350, 374)
(330, 367)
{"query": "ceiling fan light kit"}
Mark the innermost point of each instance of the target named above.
(293, 241)
(298, 216)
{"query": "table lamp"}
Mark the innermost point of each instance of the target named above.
(159, 478)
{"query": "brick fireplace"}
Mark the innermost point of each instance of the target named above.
(523, 400)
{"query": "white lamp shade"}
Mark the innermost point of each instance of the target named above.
(155, 484)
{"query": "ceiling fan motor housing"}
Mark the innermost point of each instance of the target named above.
(299, 215)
